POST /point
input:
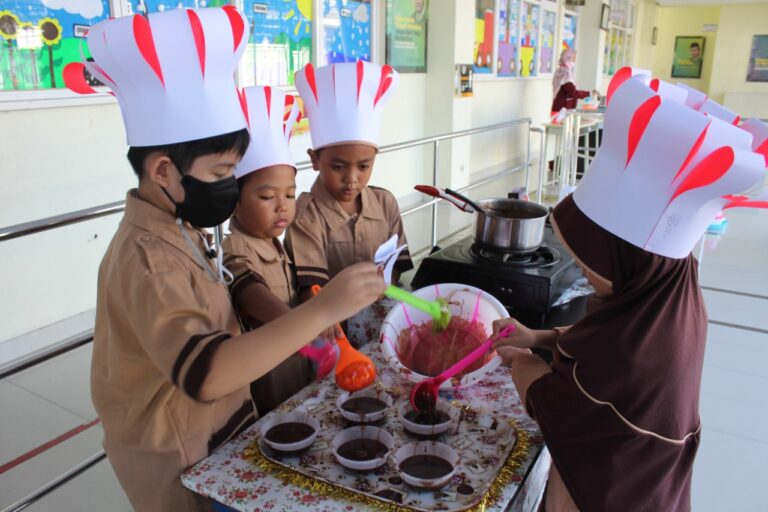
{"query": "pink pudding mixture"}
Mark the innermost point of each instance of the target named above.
(430, 353)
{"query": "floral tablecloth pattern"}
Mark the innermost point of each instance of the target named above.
(229, 477)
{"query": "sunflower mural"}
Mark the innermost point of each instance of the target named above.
(50, 32)
(40, 37)
(9, 29)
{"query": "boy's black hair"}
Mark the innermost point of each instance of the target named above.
(695, 45)
(183, 154)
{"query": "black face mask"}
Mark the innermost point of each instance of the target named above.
(206, 204)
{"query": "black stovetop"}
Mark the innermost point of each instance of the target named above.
(527, 286)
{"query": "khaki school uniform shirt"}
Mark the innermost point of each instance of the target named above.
(160, 318)
(324, 239)
(263, 262)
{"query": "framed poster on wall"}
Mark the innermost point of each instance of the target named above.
(688, 57)
(758, 59)
(346, 30)
(406, 47)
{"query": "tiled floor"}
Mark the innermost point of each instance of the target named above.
(53, 398)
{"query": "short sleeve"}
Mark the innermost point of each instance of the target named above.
(179, 325)
(244, 273)
(304, 242)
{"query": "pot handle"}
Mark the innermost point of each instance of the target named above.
(475, 207)
(436, 192)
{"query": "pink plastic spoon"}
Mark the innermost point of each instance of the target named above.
(424, 394)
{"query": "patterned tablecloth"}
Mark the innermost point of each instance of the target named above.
(230, 477)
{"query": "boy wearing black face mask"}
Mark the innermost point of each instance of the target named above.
(171, 369)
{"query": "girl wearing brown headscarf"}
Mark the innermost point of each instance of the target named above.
(619, 407)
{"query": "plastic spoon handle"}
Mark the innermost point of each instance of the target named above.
(432, 308)
(472, 356)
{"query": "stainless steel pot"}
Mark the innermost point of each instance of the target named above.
(509, 225)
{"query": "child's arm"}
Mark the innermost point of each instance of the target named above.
(243, 359)
(257, 304)
(189, 339)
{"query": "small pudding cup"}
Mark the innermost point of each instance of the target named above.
(358, 417)
(427, 448)
(291, 417)
(365, 434)
(422, 429)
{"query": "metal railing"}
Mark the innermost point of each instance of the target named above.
(57, 221)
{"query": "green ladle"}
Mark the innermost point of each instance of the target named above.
(437, 309)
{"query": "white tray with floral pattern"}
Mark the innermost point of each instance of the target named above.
(482, 441)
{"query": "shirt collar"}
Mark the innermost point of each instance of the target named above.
(161, 223)
(332, 212)
(268, 250)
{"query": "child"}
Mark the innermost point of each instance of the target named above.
(170, 368)
(264, 285)
(619, 407)
(342, 220)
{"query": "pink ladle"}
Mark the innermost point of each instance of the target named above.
(424, 394)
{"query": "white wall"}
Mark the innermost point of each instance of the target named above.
(56, 160)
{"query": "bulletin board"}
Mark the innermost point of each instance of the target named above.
(39, 37)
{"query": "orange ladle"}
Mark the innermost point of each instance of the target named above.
(354, 371)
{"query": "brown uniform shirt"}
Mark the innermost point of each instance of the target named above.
(256, 261)
(159, 319)
(324, 239)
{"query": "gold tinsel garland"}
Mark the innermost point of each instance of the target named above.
(506, 475)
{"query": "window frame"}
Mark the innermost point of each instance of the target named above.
(624, 29)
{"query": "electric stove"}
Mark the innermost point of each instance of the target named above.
(527, 285)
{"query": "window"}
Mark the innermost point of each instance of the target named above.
(36, 41)
(618, 44)
(346, 31)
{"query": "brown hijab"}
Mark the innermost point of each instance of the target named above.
(620, 412)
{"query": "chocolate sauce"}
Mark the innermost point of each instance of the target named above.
(364, 405)
(291, 432)
(427, 467)
(362, 449)
(395, 480)
(465, 489)
(390, 495)
(433, 417)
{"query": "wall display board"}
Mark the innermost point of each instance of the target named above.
(39, 37)
(484, 25)
(407, 22)
(758, 59)
(507, 60)
(280, 42)
(529, 39)
(346, 31)
(548, 25)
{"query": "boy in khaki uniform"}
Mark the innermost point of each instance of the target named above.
(264, 285)
(342, 220)
(170, 368)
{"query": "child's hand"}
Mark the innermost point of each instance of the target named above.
(521, 337)
(351, 290)
(331, 333)
(511, 355)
